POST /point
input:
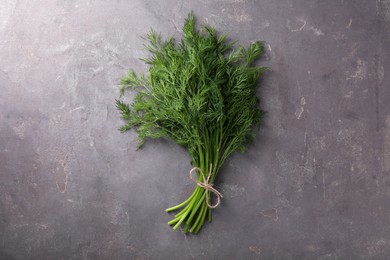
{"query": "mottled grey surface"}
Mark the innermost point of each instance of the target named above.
(315, 184)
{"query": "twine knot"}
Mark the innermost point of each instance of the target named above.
(206, 185)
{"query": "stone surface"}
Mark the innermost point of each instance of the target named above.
(314, 185)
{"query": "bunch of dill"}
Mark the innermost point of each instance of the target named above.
(201, 94)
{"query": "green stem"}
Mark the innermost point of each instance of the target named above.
(181, 204)
(185, 215)
(195, 209)
(180, 221)
(197, 219)
(201, 219)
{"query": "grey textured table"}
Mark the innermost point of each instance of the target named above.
(314, 185)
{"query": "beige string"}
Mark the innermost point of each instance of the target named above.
(206, 185)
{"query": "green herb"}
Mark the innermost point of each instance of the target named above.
(201, 94)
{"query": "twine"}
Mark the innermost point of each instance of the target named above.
(206, 185)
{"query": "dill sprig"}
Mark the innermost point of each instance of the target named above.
(201, 94)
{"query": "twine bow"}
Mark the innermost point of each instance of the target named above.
(206, 185)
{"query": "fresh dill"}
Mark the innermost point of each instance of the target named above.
(201, 93)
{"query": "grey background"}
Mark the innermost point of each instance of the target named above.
(314, 185)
